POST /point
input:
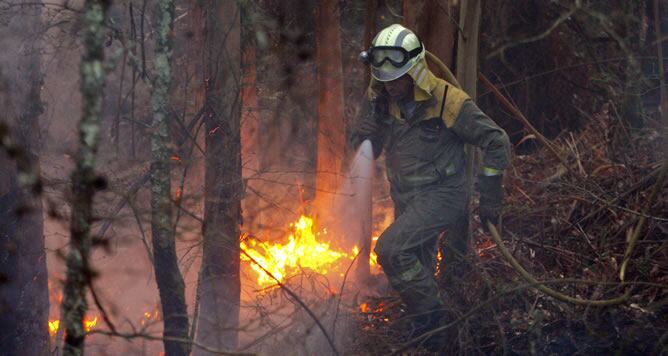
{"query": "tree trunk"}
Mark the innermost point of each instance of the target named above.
(436, 28)
(663, 91)
(369, 32)
(250, 120)
(467, 46)
(219, 287)
(83, 178)
(331, 127)
(167, 274)
(24, 294)
(467, 73)
(632, 107)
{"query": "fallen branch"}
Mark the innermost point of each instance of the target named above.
(541, 287)
(636, 232)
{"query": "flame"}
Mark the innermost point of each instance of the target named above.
(303, 250)
(54, 325)
(88, 324)
(373, 258)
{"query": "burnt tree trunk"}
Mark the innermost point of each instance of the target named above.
(74, 304)
(219, 286)
(24, 298)
(331, 126)
(167, 274)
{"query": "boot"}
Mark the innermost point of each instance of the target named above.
(429, 322)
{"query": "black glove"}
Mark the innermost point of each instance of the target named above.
(491, 198)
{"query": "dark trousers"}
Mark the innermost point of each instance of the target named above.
(407, 249)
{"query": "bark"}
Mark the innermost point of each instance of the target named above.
(331, 127)
(167, 274)
(92, 79)
(467, 46)
(219, 286)
(369, 31)
(250, 120)
(467, 69)
(436, 27)
(24, 299)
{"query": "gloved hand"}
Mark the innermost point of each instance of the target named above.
(370, 127)
(491, 198)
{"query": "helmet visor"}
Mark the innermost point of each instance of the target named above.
(395, 55)
(398, 56)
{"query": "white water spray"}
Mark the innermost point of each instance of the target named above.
(354, 206)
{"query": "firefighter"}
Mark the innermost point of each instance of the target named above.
(422, 123)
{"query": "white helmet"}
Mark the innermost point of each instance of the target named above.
(394, 51)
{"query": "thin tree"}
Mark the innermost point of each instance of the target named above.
(167, 274)
(219, 287)
(331, 126)
(467, 75)
(84, 179)
(250, 121)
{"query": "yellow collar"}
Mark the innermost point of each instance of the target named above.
(423, 79)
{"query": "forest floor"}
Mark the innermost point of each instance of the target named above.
(570, 228)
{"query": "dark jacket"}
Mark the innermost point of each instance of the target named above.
(424, 140)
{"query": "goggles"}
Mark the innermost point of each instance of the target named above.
(397, 56)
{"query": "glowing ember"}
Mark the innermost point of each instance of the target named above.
(373, 308)
(89, 324)
(483, 247)
(150, 317)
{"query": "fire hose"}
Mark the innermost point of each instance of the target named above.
(449, 77)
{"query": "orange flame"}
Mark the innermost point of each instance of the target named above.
(88, 324)
(303, 250)
(54, 325)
